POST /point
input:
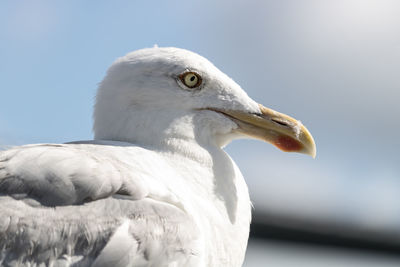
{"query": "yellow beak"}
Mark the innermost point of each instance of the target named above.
(279, 129)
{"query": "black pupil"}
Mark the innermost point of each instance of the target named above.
(192, 78)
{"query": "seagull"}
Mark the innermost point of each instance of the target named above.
(154, 187)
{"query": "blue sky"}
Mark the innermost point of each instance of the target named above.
(332, 64)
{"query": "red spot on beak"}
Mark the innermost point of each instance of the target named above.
(288, 144)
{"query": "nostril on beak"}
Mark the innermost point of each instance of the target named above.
(283, 123)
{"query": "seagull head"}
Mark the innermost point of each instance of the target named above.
(162, 96)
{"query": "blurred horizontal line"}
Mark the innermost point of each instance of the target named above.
(306, 230)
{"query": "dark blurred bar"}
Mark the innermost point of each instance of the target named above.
(304, 230)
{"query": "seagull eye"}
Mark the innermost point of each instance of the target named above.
(190, 79)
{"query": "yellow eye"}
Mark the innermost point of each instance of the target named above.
(190, 79)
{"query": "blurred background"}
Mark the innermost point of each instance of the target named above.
(332, 64)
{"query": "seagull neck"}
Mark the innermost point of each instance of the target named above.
(191, 137)
(189, 149)
(191, 134)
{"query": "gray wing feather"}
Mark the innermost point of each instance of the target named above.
(57, 175)
(61, 205)
(156, 234)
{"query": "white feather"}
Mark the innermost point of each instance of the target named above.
(160, 192)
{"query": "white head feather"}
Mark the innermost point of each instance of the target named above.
(141, 100)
